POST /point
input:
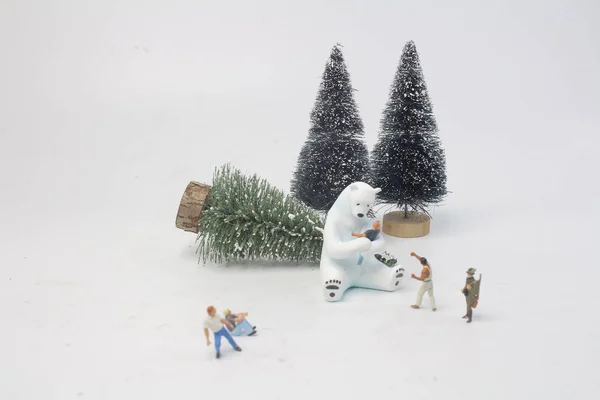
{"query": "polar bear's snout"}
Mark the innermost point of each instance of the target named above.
(362, 197)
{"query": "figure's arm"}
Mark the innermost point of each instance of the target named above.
(229, 324)
(424, 271)
(206, 334)
(424, 275)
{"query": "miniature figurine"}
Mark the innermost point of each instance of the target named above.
(427, 285)
(371, 234)
(215, 322)
(241, 326)
(471, 292)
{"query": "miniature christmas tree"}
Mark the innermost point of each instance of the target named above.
(335, 153)
(408, 163)
(245, 218)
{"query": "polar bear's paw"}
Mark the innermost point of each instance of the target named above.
(333, 288)
(399, 272)
(397, 275)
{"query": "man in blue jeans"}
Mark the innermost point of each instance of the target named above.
(215, 322)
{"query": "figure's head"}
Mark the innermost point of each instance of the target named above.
(471, 272)
(226, 312)
(423, 261)
(211, 311)
(362, 198)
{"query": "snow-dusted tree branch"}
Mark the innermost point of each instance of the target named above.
(245, 218)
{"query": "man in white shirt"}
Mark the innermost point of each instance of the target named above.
(215, 322)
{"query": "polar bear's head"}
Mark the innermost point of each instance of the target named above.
(361, 198)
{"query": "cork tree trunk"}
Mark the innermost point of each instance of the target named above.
(192, 206)
(405, 224)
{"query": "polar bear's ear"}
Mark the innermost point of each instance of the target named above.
(377, 190)
(353, 187)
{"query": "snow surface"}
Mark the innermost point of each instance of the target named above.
(108, 109)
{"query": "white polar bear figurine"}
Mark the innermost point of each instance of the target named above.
(341, 251)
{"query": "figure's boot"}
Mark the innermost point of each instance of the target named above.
(466, 315)
(470, 314)
(415, 306)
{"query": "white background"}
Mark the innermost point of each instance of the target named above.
(109, 108)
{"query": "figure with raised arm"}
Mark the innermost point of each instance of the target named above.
(427, 285)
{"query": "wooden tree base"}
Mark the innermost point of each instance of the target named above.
(192, 206)
(416, 225)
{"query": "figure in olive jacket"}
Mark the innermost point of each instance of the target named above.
(471, 292)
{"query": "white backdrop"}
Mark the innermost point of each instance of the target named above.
(108, 109)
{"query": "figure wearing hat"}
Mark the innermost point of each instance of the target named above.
(471, 292)
(427, 285)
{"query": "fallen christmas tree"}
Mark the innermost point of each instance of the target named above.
(245, 218)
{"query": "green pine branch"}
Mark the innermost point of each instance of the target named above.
(246, 218)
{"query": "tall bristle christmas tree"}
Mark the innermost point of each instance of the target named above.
(335, 153)
(408, 162)
(246, 218)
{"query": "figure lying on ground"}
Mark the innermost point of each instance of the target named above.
(370, 234)
(241, 326)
